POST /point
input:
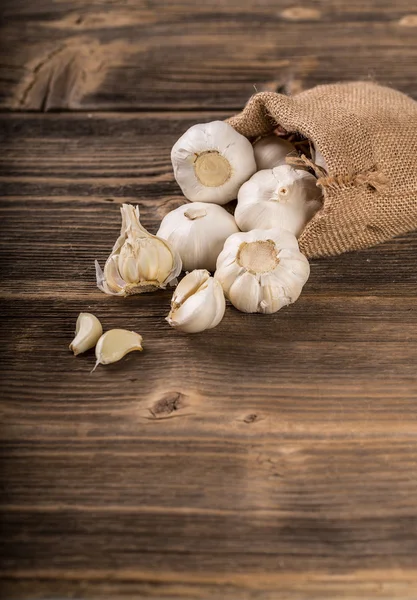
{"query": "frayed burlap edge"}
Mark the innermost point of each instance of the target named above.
(361, 207)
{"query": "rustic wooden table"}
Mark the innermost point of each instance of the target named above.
(272, 457)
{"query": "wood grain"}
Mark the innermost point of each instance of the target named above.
(66, 175)
(271, 457)
(309, 517)
(271, 453)
(159, 55)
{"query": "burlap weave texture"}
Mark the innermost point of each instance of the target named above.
(368, 137)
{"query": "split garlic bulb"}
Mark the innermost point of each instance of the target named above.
(271, 151)
(198, 303)
(197, 232)
(280, 197)
(211, 161)
(262, 270)
(115, 344)
(88, 330)
(139, 261)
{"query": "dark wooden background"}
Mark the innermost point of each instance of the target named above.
(274, 457)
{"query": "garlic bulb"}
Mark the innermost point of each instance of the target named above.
(198, 303)
(271, 151)
(279, 197)
(197, 232)
(88, 329)
(211, 161)
(262, 270)
(139, 261)
(115, 344)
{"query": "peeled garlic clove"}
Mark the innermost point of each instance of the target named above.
(115, 344)
(88, 329)
(197, 304)
(262, 270)
(280, 197)
(197, 232)
(211, 161)
(139, 262)
(271, 151)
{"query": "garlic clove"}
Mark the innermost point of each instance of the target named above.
(245, 293)
(197, 304)
(88, 330)
(196, 315)
(110, 281)
(271, 151)
(274, 297)
(211, 161)
(262, 270)
(115, 344)
(197, 232)
(280, 197)
(139, 262)
(294, 263)
(189, 285)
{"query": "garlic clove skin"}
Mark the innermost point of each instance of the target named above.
(262, 270)
(139, 262)
(319, 159)
(280, 197)
(272, 151)
(115, 344)
(197, 232)
(197, 304)
(211, 161)
(245, 293)
(88, 330)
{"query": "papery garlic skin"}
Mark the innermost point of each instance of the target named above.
(115, 344)
(319, 159)
(139, 262)
(280, 197)
(88, 330)
(271, 151)
(262, 270)
(198, 303)
(197, 232)
(211, 161)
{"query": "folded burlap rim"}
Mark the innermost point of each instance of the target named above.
(367, 135)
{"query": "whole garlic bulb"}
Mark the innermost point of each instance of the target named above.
(198, 303)
(280, 197)
(262, 271)
(139, 261)
(197, 232)
(211, 161)
(271, 151)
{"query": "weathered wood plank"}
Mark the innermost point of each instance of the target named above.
(64, 174)
(225, 543)
(75, 231)
(315, 479)
(363, 584)
(252, 515)
(312, 385)
(346, 348)
(69, 55)
(270, 453)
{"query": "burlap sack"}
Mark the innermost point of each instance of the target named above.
(368, 137)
